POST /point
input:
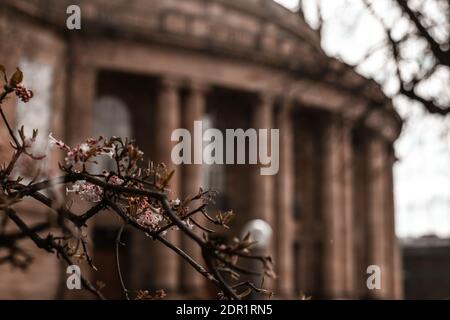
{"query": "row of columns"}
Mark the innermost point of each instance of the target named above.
(172, 273)
(274, 205)
(356, 211)
(380, 245)
(337, 209)
(273, 197)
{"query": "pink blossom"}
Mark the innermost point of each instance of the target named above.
(149, 219)
(58, 143)
(115, 180)
(23, 93)
(85, 148)
(87, 191)
(146, 214)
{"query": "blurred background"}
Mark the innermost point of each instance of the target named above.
(355, 31)
(359, 90)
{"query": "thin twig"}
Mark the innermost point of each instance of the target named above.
(11, 132)
(119, 272)
(49, 245)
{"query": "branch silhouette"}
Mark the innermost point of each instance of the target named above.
(139, 195)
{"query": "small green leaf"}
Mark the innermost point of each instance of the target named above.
(16, 78)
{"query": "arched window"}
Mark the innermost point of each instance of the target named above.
(36, 114)
(214, 175)
(111, 117)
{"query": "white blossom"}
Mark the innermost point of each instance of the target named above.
(87, 191)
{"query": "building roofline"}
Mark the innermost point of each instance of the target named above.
(295, 48)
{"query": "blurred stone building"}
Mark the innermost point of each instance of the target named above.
(426, 261)
(143, 68)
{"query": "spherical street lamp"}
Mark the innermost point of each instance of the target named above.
(260, 232)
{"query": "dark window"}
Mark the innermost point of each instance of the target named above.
(105, 259)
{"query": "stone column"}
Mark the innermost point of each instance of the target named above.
(191, 282)
(360, 192)
(262, 205)
(305, 159)
(82, 93)
(333, 214)
(284, 204)
(395, 284)
(348, 208)
(398, 290)
(164, 263)
(262, 187)
(376, 217)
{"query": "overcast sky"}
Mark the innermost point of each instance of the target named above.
(422, 176)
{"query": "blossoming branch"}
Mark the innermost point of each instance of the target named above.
(139, 195)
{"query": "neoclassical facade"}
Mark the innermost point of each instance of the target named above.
(144, 68)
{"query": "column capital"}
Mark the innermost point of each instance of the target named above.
(355, 112)
(266, 97)
(348, 123)
(338, 121)
(196, 85)
(170, 81)
(287, 104)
